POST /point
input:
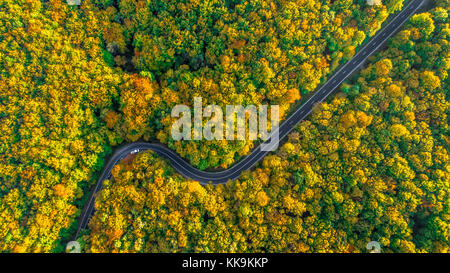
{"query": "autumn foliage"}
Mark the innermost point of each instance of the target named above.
(76, 81)
(371, 164)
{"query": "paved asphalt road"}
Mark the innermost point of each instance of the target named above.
(285, 128)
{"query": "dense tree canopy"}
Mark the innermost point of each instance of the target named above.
(53, 84)
(372, 163)
(231, 53)
(76, 81)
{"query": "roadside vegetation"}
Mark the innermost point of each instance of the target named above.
(371, 164)
(77, 81)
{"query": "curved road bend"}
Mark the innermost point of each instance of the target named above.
(285, 128)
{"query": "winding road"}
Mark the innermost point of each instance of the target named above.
(204, 177)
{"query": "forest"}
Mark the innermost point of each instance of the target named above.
(371, 163)
(229, 53)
